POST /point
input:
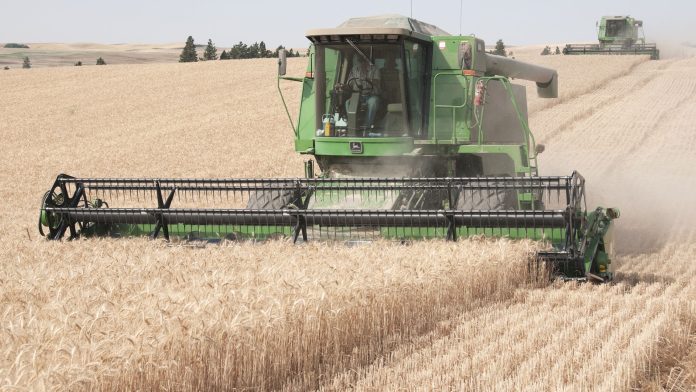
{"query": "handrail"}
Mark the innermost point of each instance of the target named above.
(282, 98)
(453, 107)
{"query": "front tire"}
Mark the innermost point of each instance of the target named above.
(271, 199)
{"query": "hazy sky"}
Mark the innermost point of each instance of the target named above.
(284, 22)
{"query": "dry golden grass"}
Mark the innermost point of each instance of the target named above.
(137, 314)
(578, 75)
(238, 316)
(566, 337)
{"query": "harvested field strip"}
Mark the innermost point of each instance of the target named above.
(615, 92)
(579, 340)
(623, 115)
(192, 319)
(580, 76)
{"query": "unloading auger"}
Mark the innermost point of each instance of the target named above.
(417, 134)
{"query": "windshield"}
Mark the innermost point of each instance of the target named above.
(615, 28)
(365, 90)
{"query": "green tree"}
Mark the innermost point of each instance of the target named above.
(546, 51)
(189, 54)
(224, 55)
(27, 63)
(500, 48)
(239, 51)
(278, 49)
(253, 52)
(263, 52)
(210, 51)
(100, 61)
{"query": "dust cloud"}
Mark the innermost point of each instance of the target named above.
(657, 208)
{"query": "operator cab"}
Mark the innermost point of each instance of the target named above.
(371, 79)
(615, 28)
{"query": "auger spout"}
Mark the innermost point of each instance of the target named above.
(546, 78)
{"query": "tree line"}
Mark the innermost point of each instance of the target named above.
(239, 51)
(500, 50)
(547, 51)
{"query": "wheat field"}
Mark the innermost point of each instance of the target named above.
(139, 314)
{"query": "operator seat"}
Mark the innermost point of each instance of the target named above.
(391, 94)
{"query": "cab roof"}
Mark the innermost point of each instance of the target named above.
(390, 24)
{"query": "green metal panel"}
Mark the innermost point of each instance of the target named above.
(305, 124)
(331, 68)
(451, 91)
(554, 236)
(190, 231)
(207, 232)
(450, 107)
(446, 52)
(518, 154)
(602, 31)
(304, 146)
(371, 147)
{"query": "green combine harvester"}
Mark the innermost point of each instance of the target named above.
(617, 35)
(417, 134)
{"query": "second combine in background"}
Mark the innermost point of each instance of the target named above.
(617, 35)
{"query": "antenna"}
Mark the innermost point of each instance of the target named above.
(461, 8)
(411, 9)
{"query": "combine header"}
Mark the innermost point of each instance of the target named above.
(418, 134)
(617, 35)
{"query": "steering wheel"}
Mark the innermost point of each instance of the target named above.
(362, 85)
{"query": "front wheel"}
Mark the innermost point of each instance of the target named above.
(486, 199)
(271, 199)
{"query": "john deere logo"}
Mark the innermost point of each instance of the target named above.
(356, 147)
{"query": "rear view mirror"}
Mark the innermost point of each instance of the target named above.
(539, 148)
(613, 213)
(282, 62)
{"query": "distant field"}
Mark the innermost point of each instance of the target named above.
(138, 314)
(61, 55)
(56, 55)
